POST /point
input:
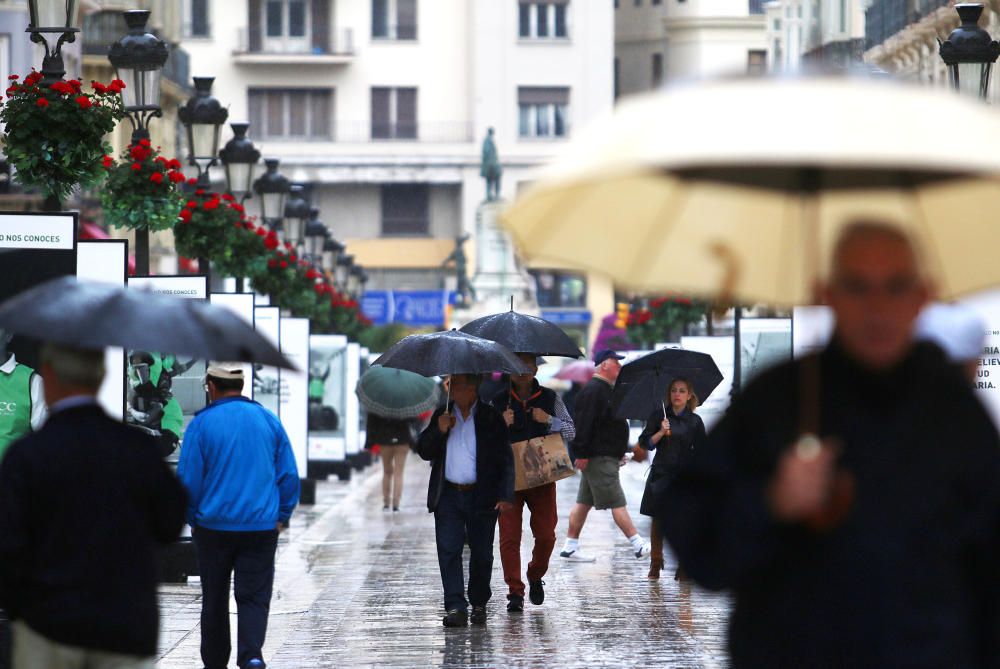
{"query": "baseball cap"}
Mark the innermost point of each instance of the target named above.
(606, 354)
(226, 373)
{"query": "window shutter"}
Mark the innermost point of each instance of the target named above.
(321, 26)
(406, 113)
(381, 121)
(254, 14)
(406, 19)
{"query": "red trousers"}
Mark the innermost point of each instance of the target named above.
(541, 503)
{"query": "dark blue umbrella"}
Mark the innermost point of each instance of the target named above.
(642, 383)
(522, 333)
(450, 352)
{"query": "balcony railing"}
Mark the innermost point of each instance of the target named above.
(885, 18)
(102, 29)
(338, 42)
(366, 132)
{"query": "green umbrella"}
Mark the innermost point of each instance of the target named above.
(396, 393)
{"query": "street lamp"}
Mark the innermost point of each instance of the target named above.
(52, 17)
(296, 214)
(354, 281)
(138, 58)
(315, 238)
(238, 157)
(272, 188)
(203, 116)
(343, 270)
(331, 252)
(969, 53)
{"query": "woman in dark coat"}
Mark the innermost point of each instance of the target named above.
(675, 433)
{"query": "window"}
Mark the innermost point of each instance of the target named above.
(394, 113)
(542, 19)
(196, 21)
(542, 112)
(756, 62)
(657, 68)
(292, 113)
(289, 26)
(394, 19)
(405, 209)
(555, 289)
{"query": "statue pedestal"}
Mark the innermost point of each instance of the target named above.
(499, 276)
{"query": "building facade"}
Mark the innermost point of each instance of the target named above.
(828, 32)
(380, 108)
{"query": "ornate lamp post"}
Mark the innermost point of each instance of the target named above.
(203, 116)
(296, 215)
(969, 53)
(138, 59)
(343, 270)
(272, 188)
(354, 281)
(238, 157)
(331, 253)
(52, 17)
(315, 238)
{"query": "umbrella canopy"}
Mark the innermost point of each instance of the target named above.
(93, 315)
(578, 371)
(450, 352)
(396, 393)
(522, 333)
(674, 191)
(643, 383)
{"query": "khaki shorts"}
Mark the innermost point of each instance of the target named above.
(600, 486)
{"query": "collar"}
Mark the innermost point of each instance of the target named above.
(458, 412)
(73, 402)
(9, 366)
(226, 400)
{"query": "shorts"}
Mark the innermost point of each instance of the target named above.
(600, 486)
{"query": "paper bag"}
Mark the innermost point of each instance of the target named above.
(539, 461)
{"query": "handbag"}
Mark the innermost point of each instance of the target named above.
(540, 460)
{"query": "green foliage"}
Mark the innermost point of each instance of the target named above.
(142, 189)
(54, 136)
(665, 317)
(207, 226)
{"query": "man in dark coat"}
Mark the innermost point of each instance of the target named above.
(84, 503)
(472, 478)
(873, 543)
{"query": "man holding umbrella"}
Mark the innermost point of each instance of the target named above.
(530, 411)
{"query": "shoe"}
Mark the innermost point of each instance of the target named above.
(456, 618)
(255, 664)
(478, 615)
(395, 509)
(644, 551)
(536, 592)
(576, 556)
(654, 569)
(515, 604)
(385, 508)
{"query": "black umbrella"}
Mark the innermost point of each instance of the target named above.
(642, 383)
(450, 352)
(94, 315)
(524, 334)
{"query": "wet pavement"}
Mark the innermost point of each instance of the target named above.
(358, 587)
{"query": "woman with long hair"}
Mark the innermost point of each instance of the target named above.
(674, 433)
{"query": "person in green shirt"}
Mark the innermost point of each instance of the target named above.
(152, 403)
(22, 398)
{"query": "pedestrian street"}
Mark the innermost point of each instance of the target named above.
(359, 587)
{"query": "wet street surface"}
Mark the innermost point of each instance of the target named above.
(358, 587)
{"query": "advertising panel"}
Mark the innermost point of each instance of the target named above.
(329, 424)
(294, 389)
(266, 380)
(106, 261)
(242, 305)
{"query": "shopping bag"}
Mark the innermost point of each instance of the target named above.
(540, 460)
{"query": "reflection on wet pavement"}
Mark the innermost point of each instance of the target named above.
(358, 587)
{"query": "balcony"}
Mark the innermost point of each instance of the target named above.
(885, 18)
(366, 132)
(336, 47)
(102, 29)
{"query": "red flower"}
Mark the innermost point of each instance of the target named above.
(42, 102)
(174, 164)
(313, 274)
(192, 204)
(83, 101)
(75, 85)
(61, 87)
(99, 87)
(138, 152)
(235, 206)
(12, 89)
(192, 181)
(271, 243)
(33, 78)
(211, 204)
(156, 177)
(176, 176)
(319, 288)
(116, 86)
(185, 215)
(261, 232)
(161, 160)
(228, 198)
(136, 167)
(13, 77)
(249, 226)
(108, 161)
(144, 141)
(272, 263)
(292, 257)
(200, 191)
(283, 264)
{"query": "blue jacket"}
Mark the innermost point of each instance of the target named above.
(238, 467)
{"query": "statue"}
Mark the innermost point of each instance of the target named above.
(466, 293)
(490, 168)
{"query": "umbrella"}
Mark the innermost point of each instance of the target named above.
(522, 333)
(396, 393)
(676, 192)
(643, 383)
(93, 315)
(578, 371)
(450, 352)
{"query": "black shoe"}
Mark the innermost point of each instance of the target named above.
(536, 592)
(456, 618)
(515, 603)
(478, 615)
(395, 508)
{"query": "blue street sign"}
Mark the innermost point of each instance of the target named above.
(567, 317)
(416, 308)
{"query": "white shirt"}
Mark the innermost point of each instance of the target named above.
(460, 459)
(38, 410)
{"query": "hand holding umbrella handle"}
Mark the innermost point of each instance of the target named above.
(445, 422)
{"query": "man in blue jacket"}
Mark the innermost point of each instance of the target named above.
(237, 465)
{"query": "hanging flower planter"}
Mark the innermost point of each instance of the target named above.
(142, 189)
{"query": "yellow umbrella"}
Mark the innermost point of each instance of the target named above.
(737, 188)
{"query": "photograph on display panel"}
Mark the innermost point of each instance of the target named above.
(165, 391)
(327, 388)
(267, 380)
(34, 248)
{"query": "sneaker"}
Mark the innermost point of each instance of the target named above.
(515, 604)
(456, 618)
(478, 615)
(644, 551)
(536, 592)
(576, 556)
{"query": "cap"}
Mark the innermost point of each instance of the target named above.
(225, 373)
(606, 354)
(957, 329)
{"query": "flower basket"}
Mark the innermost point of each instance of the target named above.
(54, 136)
(142, 189)
(207, 225)
(664, 319)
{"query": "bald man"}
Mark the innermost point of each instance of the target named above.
(850, 500)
